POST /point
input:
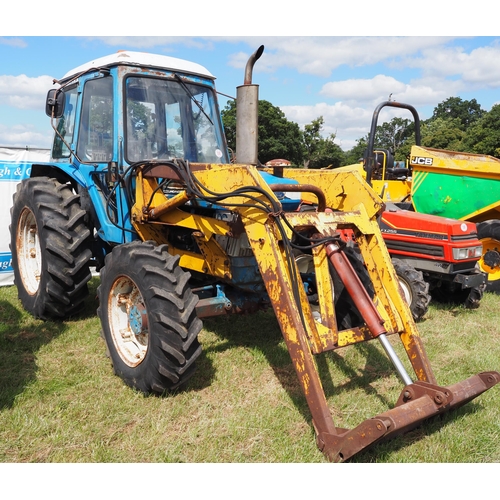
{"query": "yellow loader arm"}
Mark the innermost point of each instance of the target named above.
(343, 203)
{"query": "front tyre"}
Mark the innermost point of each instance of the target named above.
(148, 317)
(453, 293)
(49, 245)
(415, 289)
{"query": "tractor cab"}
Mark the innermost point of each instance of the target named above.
(128, 108)
(131, 107)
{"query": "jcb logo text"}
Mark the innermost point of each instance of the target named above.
(421, 160)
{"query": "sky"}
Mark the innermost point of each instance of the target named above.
(341, 78)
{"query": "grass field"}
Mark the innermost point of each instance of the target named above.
(61, 402)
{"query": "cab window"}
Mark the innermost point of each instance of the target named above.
(65, 125)
(95, 139)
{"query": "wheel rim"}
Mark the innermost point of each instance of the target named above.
(305, 263)
(406, 291)
(128, 321)
(29, 255)
(493, 272)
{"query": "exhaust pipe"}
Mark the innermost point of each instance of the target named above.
(247, 113)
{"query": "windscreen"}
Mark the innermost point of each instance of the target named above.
(168, 119)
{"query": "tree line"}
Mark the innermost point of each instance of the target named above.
(456, 125)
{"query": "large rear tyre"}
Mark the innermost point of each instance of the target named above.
(50, 250)
(489, 234)
(148, 317)
(415, 289)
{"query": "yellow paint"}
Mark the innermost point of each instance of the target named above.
(490, 244)
(456, 162)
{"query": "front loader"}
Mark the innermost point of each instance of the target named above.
(141, 186)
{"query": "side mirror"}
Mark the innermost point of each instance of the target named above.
(55, 101)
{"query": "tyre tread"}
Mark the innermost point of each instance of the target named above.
(173, 346)
(419, 288)
(63, 239)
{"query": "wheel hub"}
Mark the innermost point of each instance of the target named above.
(492, 258)
(128, 321)
(406, 291)
(138, 319)
(490, 261)
(29, 255)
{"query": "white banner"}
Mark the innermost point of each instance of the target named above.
(15, 165)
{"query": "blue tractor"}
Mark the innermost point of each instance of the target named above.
(141, 186)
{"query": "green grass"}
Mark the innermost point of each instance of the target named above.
(61, 402)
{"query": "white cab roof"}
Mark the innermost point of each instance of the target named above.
(142, 59)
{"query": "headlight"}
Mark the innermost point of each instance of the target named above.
(467, 253)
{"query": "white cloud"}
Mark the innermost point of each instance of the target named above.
(23, 92)
(24, 135)
(13, 42)
(362, 90)
(475, 69)
(321, 55)
(348, 123)
(478, 67)
(381, 87)
(421, 93)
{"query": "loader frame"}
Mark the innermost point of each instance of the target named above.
(344, 201)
